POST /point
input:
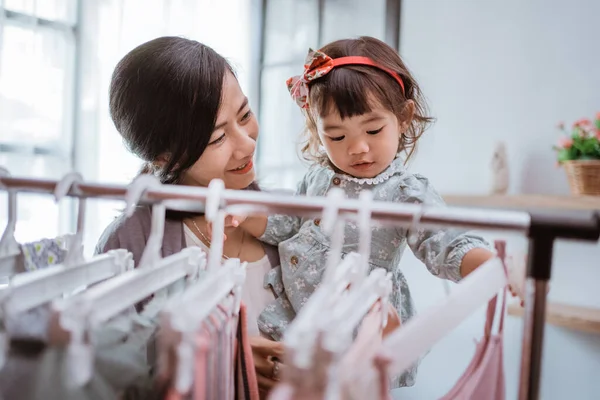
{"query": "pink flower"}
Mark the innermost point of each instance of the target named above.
(565, 143)
(583, 122)
(598, 133)
(598, 116)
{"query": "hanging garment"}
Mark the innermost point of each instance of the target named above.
(245, 380)
(33, 324)
(254, 295)
(122, 368)
(45, 252)
(305, 384)
(358, 374)
(484, 377)
(223, 362)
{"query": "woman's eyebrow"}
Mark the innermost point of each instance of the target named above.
(244, 104)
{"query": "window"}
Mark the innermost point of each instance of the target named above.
(56, 61)
(224, 25)
(37, 59)
(291, 27)
(344, 19)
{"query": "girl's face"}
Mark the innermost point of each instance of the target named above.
(362, 146)
(229, 155)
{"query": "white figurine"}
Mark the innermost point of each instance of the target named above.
(499, 166)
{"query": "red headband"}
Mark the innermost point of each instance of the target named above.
(319, 64)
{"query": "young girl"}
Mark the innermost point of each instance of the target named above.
(364, 114)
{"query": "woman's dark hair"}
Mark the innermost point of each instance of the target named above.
(355, 89)
(164, 98)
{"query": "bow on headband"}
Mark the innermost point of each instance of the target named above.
(319, 64)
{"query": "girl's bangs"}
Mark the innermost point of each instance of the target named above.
(352, 92)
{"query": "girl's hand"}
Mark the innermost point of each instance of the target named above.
(516, 266)
(266, 354)
(231, 221)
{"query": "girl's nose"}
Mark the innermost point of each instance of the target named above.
(358, 147)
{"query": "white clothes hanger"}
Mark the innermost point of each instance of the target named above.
(338, 276)
(406, 345)
(10, 251)
(349, 313)
(364, 292)
(75, 242)
(28, 290)
(355, 267)
(334, 225)
(419, 334)
(211, 213)
(186, 312)
(106, 300)
(364, 244)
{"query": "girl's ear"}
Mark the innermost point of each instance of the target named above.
(406, 116)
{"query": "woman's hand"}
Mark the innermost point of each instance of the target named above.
(393, 321)
(266, 354)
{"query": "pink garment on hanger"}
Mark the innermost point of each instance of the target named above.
(244, 378)
(202, 345)
(359, 378)
(358, 372)
(246, 383)
(484, 377)
(304, 384)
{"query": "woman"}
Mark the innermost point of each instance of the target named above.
(179, 107)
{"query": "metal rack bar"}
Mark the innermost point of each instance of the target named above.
(542, 229)
(187, 198)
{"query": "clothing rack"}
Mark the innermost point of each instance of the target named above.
(542, 230)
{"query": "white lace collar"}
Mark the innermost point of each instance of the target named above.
(396, 167)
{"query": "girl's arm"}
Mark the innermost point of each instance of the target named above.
(255, 226)
(447, 253)
(275, 229)
(473, 259)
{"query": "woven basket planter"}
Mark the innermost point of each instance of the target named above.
(584, 177)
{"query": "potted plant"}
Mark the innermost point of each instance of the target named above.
(578, 151)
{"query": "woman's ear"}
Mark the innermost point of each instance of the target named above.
(406, 115)
(162, 160)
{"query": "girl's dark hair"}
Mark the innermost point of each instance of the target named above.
(164, 98)
(354, 90)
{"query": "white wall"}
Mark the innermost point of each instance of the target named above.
(506, 70)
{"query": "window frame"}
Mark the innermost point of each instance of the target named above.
(60, 151)
(393, 10)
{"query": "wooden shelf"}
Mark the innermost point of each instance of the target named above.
(583, 319)
(525, 201)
